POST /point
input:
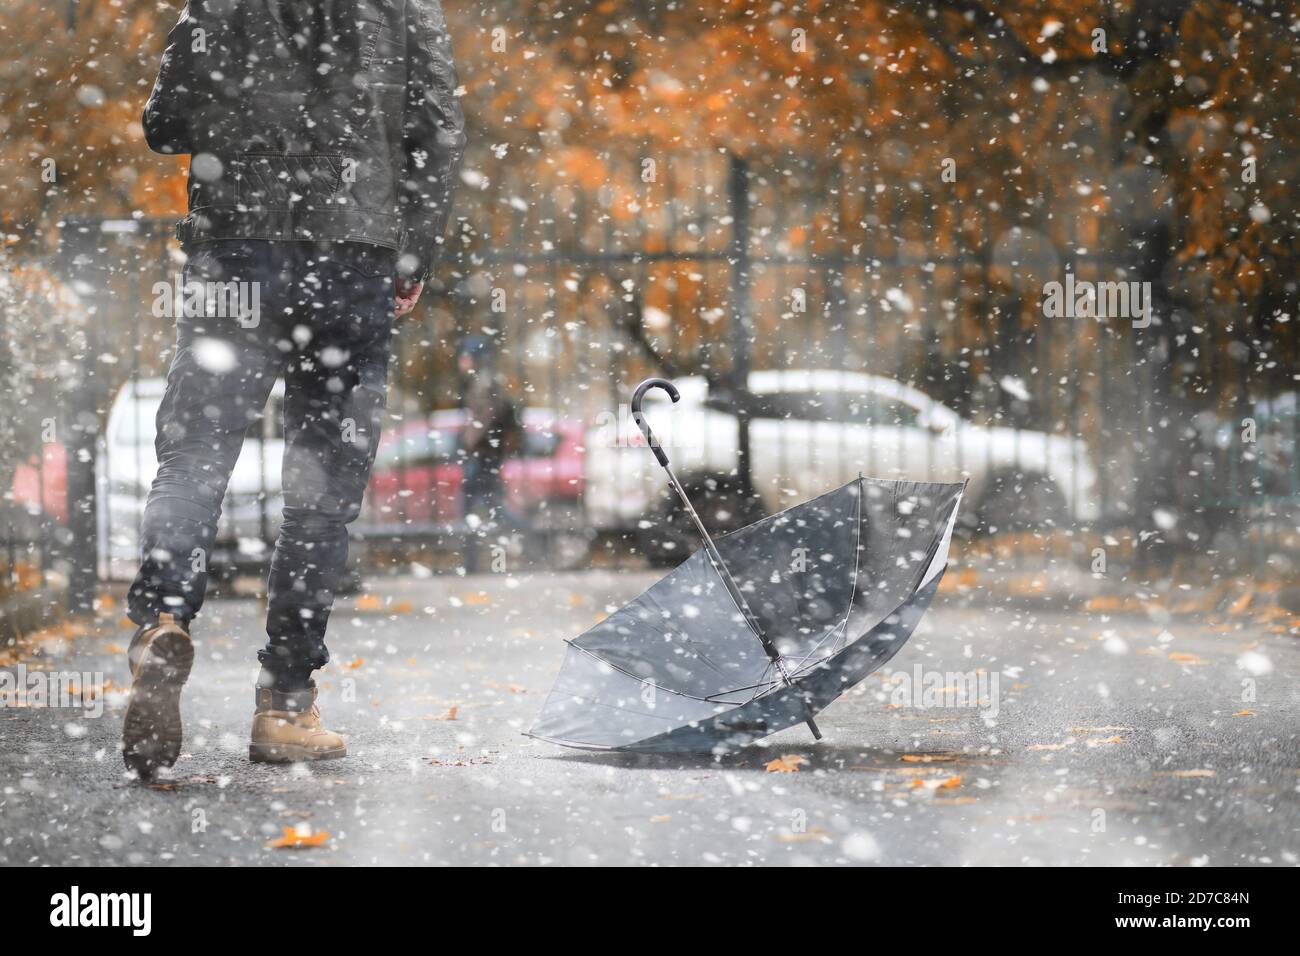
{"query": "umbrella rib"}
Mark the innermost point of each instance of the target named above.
(912, 592)
(804, 662)
(843, 629)
(627, 673)
(702, 657)
(857, 561)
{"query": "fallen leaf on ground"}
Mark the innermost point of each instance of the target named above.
(1095, 730)
(459, 762)
(298, 838)
(1103, 603)
(1098, 741)
(1048, 746)
(787, 763)
(1184, 773)
(114, 648)
(815, 833)
(926, 758)
(1184, 658)
(355, 663)
(948, 783)
(369, 602)
(1244, 713)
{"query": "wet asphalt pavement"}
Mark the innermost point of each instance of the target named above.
(1117, 739)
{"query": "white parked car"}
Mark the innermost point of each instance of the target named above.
(811, 431)
(126, 465)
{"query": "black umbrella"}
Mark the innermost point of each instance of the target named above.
(760, 630)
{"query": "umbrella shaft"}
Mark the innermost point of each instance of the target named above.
(721, 566)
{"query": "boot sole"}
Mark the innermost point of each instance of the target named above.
(291, 753)
(151, 730)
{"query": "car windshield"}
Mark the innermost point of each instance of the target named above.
(836, 407)
(135, 426)
(419, 448)
(539, 443)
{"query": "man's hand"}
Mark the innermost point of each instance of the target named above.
(408, 293)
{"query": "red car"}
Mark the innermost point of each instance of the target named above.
(418, 470)
(40, 483)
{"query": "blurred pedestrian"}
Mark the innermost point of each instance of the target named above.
(491, 434)
(324, 138)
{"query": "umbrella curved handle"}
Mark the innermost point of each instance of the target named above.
(639, 417)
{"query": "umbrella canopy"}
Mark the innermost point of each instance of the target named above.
(829, 590)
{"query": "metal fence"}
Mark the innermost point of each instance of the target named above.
(823, 325)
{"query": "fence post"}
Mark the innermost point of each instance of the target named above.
(742, 320)
(78, 239)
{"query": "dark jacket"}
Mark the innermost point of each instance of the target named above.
(313, 119)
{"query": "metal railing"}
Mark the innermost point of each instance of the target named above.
(831, 331)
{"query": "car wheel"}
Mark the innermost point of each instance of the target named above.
(667, 536)
(1015, 501)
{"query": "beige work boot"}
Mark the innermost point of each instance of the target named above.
(160, 658)
(287, 729)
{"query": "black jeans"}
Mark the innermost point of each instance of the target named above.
(323, 321)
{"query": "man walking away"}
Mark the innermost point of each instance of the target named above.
(324, 137)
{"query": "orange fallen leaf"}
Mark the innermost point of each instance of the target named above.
(787, 763)
(662, 818)
(1103, 603)
(296, 838)
(948, 783)
(812, 833)
(402, 607)
(477, 598)
(355, 663)
(925, 758)
(1270, 612)
(1184, 658)
(369, 602)
(1098, 741)
(114, 648)
(1244, 713)
(1096, 730)
(1048, 746)
(1242, 602)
